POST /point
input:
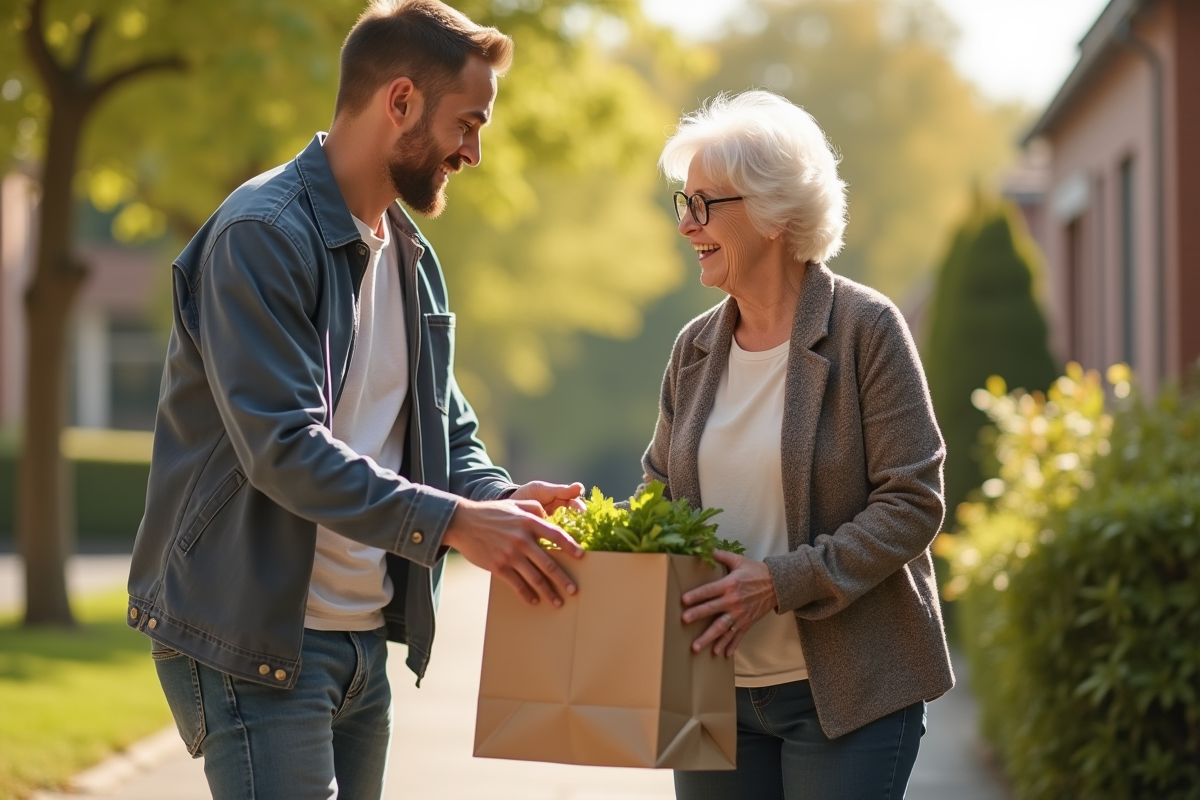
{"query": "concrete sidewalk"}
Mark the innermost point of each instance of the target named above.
(434, 729)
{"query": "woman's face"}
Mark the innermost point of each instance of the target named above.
(730, 250)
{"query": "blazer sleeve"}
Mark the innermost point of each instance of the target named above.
(657, 456)
(905, 508)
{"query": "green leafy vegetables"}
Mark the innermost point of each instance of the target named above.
(651, 524)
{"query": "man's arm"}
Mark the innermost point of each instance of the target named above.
(265, 361)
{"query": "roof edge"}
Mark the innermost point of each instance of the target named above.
(1095, 49)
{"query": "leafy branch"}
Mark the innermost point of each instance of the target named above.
(651, 524)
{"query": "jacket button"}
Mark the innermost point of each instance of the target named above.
(418, 537)
(362, 249)
(133, 613)
(152, 624)
(280, 675)
(263, 669)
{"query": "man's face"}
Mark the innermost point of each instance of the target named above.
(445, 138)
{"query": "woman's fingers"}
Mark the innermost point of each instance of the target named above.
(708, 591)
(733, 644)
(721, 626)
(705, 610)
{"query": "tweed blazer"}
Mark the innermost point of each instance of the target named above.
(862, 485)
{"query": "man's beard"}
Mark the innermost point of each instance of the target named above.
(414, 166)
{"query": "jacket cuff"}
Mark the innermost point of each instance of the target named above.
(500, 490)
(788, 574)
(420, 536)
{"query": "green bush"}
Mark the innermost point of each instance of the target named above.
(109, 471)
(1079, 592)
(984, 321)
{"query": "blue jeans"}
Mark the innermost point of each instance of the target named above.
(782, 753)
(326, 738)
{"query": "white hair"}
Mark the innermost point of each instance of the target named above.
(774, 154)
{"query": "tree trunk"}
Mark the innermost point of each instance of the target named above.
(41, 500)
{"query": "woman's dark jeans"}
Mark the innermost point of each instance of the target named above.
(782, 753)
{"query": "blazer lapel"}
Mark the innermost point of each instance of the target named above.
(804, 392)
(695, 391)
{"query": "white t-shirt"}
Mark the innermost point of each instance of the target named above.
(741, 471)
(350, 585)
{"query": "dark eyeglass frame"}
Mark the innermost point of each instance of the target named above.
(697, 203)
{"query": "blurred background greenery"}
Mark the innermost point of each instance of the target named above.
(564, 266)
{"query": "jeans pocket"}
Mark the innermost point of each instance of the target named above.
(181, 685)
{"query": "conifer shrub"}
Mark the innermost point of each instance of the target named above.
(1079, 591)
(985, 320)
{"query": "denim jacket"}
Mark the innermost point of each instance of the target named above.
(246, 460)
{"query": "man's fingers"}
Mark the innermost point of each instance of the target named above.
(538, 579)
(545, 565)
(519, 585)
(531, 507)
(556, 536)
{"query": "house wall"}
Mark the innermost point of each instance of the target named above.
(1110, 121)
(1185, 147)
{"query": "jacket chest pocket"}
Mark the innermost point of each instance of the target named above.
(440, 328)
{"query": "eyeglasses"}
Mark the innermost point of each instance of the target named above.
(698, 205)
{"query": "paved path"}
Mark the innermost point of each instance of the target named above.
(434, 727)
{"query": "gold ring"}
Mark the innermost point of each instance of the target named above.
(732, 622)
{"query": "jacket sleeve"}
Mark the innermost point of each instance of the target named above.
(656, 459)
(472, 473)
(904, 511)
(265, 360)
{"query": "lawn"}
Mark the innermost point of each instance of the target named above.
(70, 698)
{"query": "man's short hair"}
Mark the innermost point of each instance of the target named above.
(424, 40)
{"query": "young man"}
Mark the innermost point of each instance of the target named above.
(313, 455)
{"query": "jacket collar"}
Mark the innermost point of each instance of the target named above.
(329, 206)
(810, 325)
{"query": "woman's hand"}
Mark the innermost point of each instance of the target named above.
(740, 599)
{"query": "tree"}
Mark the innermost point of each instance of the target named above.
(985, 321)
(912, 132)
(156, 109)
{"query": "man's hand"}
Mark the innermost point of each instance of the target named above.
(551, 496)
(502, 536)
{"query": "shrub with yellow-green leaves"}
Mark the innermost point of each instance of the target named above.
(1079, 590)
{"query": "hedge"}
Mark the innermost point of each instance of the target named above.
(110, 470)
(984, 320)
(1079, 592)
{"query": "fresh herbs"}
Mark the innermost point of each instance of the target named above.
(651, 524)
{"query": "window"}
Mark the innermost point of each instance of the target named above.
(1128, 274)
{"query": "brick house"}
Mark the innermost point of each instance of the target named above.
(1119, 221)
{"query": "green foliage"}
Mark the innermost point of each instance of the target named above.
(650, 524)
(73, 697)
(877, 76)
(569, 158)
(985, 321)
(109, 472)
(1080, 594)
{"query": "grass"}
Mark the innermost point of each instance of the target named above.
(70, 698)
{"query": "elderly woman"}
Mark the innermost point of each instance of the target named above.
(798, 405)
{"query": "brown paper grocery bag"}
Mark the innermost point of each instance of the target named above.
(608, 679)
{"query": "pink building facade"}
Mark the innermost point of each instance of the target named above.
(1120, 220)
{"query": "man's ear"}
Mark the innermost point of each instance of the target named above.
(404, 103)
